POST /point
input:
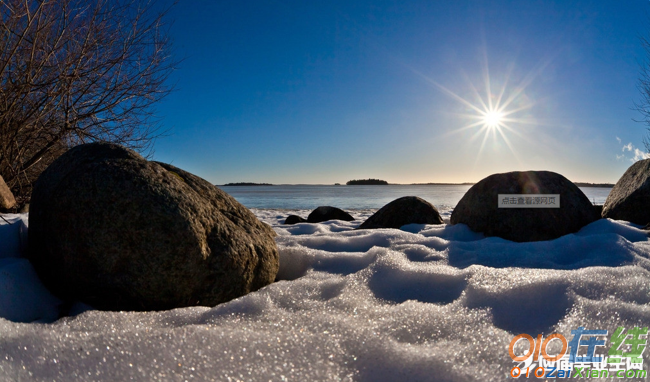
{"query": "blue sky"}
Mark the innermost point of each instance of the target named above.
(323, 92)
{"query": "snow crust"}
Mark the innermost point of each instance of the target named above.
(423, 303)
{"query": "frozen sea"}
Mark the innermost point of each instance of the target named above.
(292, 197)
(422, 303)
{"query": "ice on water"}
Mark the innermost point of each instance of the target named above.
(437, 303)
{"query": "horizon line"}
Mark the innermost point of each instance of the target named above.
(256, 184)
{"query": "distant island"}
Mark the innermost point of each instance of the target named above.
(366, 182)
(247, 184)
(584, 184)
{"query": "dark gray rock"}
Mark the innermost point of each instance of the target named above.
(294, 219)
(7, 199)
(403, 211)
(630, 197)
(479, 210)
(117, 232)
(325, 213)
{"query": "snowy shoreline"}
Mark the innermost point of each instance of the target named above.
(421, 303)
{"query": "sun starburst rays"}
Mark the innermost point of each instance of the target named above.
(493, 115)
(496, 113)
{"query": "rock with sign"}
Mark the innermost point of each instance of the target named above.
(479, 207)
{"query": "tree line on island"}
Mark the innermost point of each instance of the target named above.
(359, 182)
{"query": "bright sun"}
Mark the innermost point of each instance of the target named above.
(493, 114)
(492, 118)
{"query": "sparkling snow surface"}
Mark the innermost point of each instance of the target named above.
(425, 303)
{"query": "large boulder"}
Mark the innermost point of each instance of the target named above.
(325, 213)
(630, 198)
(479, 207)
(403, 211)
(7, 199)
(118, 232)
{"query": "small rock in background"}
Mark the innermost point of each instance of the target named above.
(118, 232)
(325, 213)
(403, 211)
(294, 219)
(630, 197)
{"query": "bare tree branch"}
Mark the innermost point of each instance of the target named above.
(73, 71)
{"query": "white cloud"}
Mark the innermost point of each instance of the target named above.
(638, 154)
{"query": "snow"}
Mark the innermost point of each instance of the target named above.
(421, 303)
(13, 234)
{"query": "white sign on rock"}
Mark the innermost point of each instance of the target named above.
(529, 201)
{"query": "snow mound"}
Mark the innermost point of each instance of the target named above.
(424, 303)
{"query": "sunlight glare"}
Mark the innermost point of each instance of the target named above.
(492, 118)
(492, 114)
